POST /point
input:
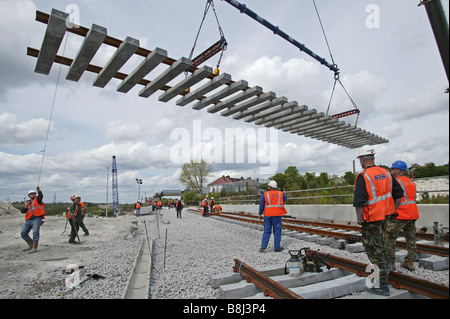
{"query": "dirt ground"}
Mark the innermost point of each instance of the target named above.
(25, 275)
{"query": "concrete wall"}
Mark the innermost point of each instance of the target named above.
(346, 213)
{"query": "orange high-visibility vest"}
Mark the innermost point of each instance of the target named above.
(205, 202)
(408, 208)
(379, 194)
(75, 213)
(138, 205)
(34, 209)
(273, 205)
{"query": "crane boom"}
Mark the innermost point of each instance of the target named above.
(276, 30)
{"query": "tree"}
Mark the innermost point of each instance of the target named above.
(194, 175)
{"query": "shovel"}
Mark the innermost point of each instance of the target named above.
(93, 276)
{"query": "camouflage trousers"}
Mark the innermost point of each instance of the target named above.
(393, 229)
(373, 241)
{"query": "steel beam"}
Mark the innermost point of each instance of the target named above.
(169, 74)
(208, 87)
(145, 67)
(182, 86)
(260, 108)
(273, 111)
(257, 90)
(120, 57)
(87, 51)
(233, 88)
(250, 103)
(54, 34)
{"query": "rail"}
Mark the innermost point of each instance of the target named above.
(422, 248)
(270, 287)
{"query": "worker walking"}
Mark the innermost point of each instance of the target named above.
(179, 208)
(81, 221)
(34, 214)
(74, 216)
(137, 206)
(376, 195)
(405, 219)
(271, 205)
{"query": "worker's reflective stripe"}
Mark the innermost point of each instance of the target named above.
(268, 200)
(376, 198)
(406, 202)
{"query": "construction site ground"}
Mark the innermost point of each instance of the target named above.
(25, 275)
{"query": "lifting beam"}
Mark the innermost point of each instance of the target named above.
(276, 30)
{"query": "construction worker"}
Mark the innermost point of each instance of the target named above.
(205, 206)
(376, 196)
(271, 205)
(159, 204)
(137, 206)
(211, 205)
(81, 221)
(179, 207)
(405, 219)
(218, 209)
(34, 214)
(75, 214)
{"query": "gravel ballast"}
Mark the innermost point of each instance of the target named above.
(197, 248)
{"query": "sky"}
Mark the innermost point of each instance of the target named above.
(386, 52)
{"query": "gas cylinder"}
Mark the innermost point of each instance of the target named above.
(294, 265)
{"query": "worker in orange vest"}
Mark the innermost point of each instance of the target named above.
(376, 197)
(159, 204)
(205, 206)
(137, 206)
(75, 215)
(218, 209)
(34, 214)
(405, 220)
(271, 205)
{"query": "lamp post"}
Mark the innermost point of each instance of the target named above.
(139, 182)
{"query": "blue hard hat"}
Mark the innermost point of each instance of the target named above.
(400, 165)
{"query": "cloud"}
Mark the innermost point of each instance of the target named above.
(22, 134)
(432, 102)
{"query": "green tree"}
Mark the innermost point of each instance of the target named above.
(194, 175)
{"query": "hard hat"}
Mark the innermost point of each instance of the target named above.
(273, 184)
(72, 197)
(400, 165)
(366, 150)
(212, 197)
(77, 196)
(31, 191)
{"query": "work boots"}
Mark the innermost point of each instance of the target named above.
(30, 245)
(408, 265)
(382, 291)
(34, 248)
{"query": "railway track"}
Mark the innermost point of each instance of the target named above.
(277, 286)
(335, 231)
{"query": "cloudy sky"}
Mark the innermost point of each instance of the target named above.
(386, 51)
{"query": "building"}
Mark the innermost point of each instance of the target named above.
(230, 184)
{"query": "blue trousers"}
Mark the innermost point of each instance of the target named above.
(30, 224)
(272, 223)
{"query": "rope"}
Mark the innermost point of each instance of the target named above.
(51, 113)
(336, 75)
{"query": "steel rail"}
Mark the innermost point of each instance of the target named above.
(397, 280)
(424, 236)
(422, 248)
(270, 287)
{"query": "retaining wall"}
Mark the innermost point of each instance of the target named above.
(346, 213)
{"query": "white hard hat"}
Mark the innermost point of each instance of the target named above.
(31, 191)
(273, 184)
(366, 150)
